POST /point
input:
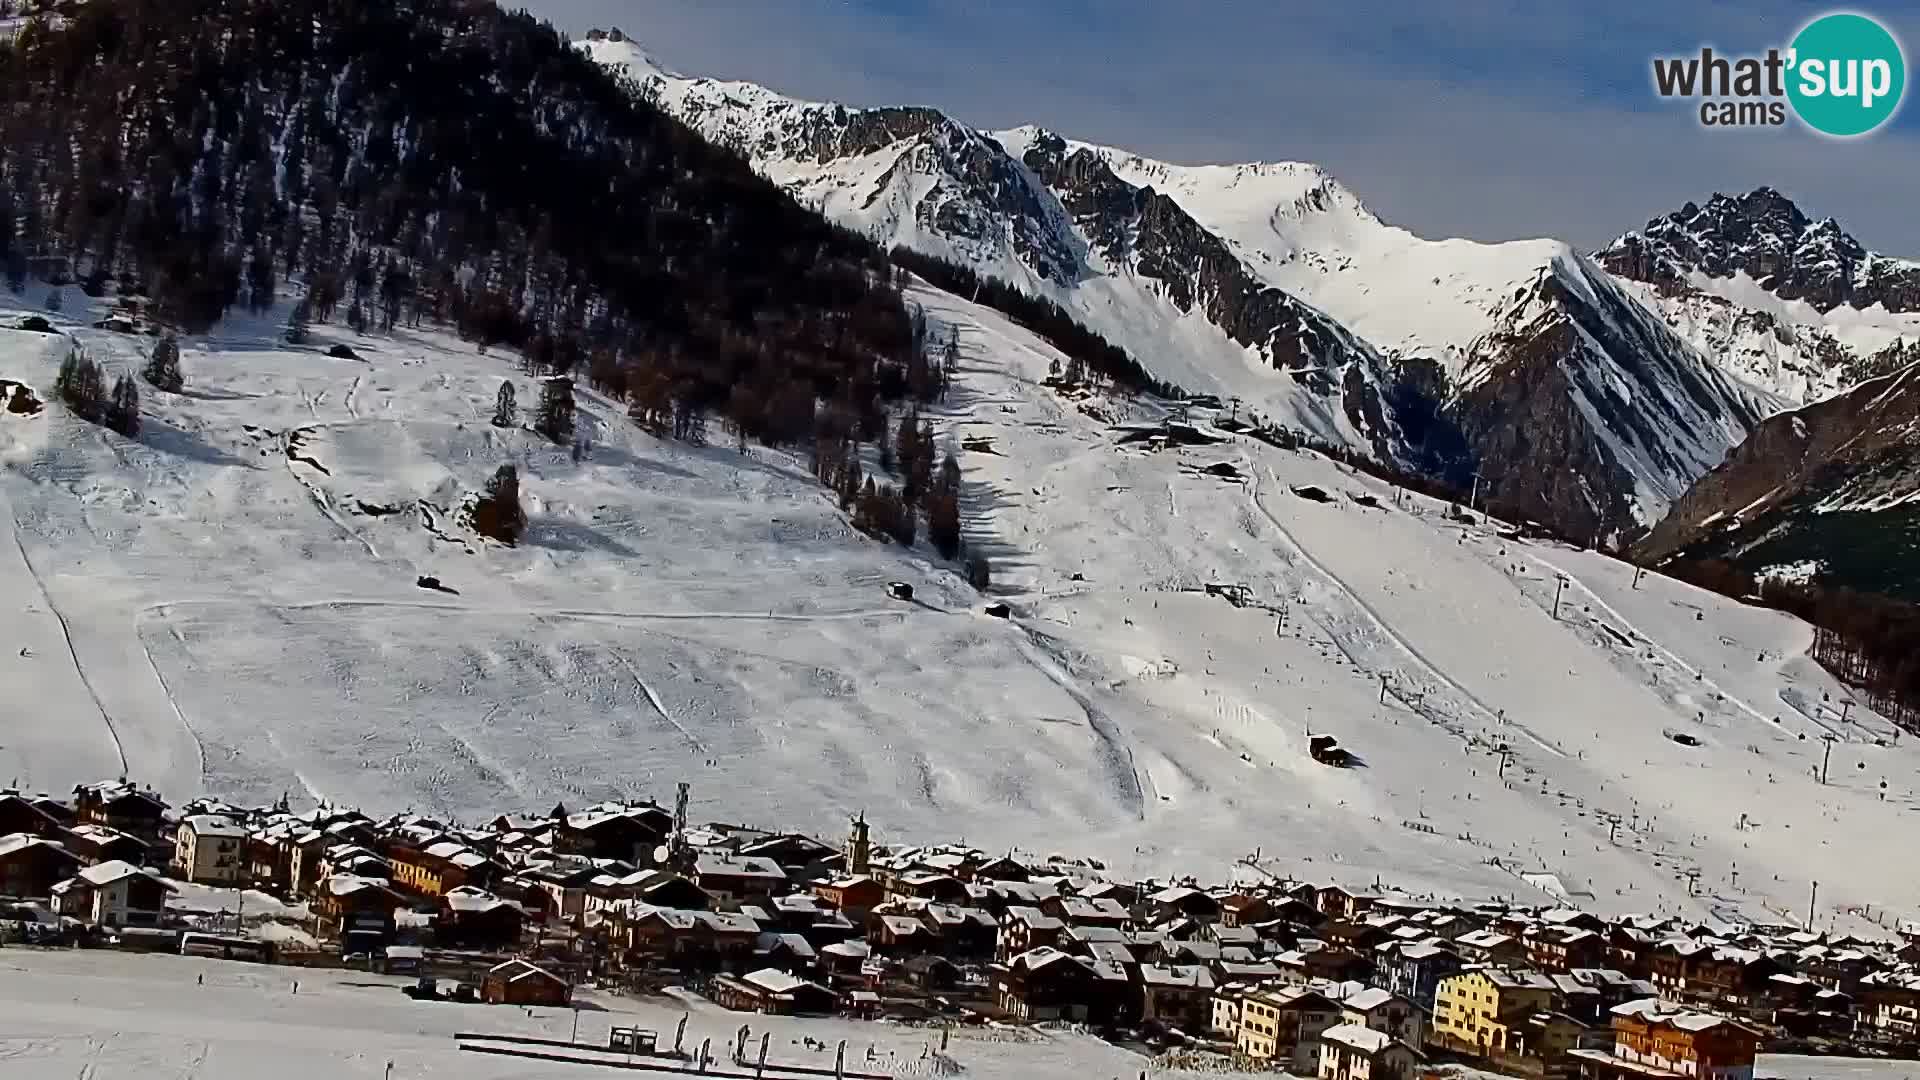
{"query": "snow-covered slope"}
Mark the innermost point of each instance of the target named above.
(229, 604)
(1272, 283)
(1617, 396)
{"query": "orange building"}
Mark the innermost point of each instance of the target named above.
(1654, 1039)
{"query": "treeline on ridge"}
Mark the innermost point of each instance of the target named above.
(1043, 317)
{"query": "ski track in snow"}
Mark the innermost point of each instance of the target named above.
(199, 747)
(731, 587)
(1491, 714)
(653, 699)
(66, 632)
(1129, 781)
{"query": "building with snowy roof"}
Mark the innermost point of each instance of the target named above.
(1357, 1052)
(1658, 1040)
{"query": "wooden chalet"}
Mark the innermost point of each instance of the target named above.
(30, 865)
(19, 814)
(120, 805)
(774, 993)
(520, 982)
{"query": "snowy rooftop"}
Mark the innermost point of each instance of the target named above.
(1357, 1037)
(1655, 1011)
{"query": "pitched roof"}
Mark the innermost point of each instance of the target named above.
(516, 970)
(1192, 976)
(1043, 957)
(793, 943)
(1369, 999)
(1655, 1011)
(1034, 918)
(214, 825)
(472, 901)
(352, 884)
(17, 842)
(774, 981)
(724, 864)
(113, 870)
(1358, 1037)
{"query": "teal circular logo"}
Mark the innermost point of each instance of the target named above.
(1847, 75)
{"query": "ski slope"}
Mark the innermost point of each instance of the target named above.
(229, 603)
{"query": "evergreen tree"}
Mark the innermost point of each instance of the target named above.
(919, 469)
(297, 322)
(81, 385)
(498, 513)
(123, 408)
(979, 572)
(943, 510)
(555, 418)
(906, 451)
(163, 369)
(506, 411)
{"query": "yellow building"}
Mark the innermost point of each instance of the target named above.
(1278, 1028)
(1475, 1011)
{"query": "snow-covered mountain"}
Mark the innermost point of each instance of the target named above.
(1788, 303)
(1273, 283)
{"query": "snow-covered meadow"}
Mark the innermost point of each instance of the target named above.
(229, 605)
(112, 1016)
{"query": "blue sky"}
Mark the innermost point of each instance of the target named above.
(1493, 120)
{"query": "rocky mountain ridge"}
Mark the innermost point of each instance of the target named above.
(1792, 304)
(1273, 284)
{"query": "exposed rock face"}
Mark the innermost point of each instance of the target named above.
(1139, 227)
(1766, 236)
(1835, 485)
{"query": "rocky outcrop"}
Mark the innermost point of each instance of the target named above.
(1766, 236)
(1138, 227)
(1832, 488)
(1800, 353)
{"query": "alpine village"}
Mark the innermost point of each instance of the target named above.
(1313, 978)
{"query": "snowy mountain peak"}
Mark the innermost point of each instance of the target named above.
(1794, 305)
(614, 49)
(1766, 236)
